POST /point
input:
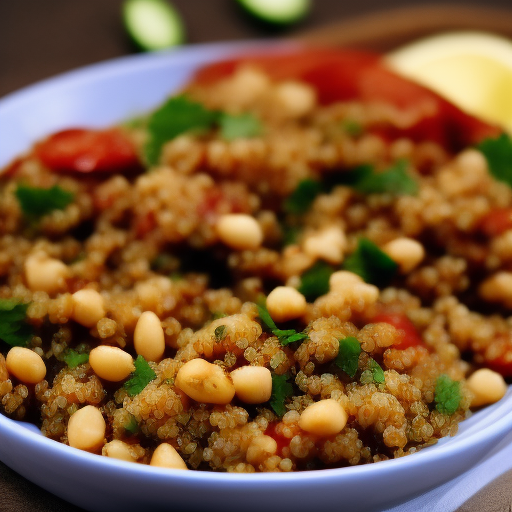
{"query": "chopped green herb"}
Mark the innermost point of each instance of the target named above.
(315, 281)
(290, 234)
(372, 264)
(353, 128)
(218, 314)
(281, 390)
(73, 358)
(132, 426)
(348, 355)
(395, 180)
(447, 395)
(36, 202)
(498, 153)
(301, 199)
(285, 336)
(240, 126)
(13, 327)
(220, 333)
(377, 371)
(176, 116)
(140, 378)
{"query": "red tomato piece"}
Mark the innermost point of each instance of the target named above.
(88, 151)
(343, 75)
(281, 440)
(401, 322)
(496, 222)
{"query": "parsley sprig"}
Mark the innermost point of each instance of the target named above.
(282, 389)
(348, 355)
(447, 395)
(36, 202)
(314, 282)
(285, 336)
(498, 153)
(180, 114)
(74, 358)
(14, 330)
(140, 378)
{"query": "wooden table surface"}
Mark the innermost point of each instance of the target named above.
(41, 38)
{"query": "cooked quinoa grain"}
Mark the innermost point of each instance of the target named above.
(299, 282)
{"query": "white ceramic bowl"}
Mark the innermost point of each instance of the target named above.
(103, 94)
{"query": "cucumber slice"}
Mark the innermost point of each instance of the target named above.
(153, 24)
(277, 11)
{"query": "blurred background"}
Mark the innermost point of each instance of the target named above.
(41, 38)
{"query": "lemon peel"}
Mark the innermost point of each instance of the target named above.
(471, 69)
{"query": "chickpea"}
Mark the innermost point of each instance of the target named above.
(148, 337)
(166, 456)
(253, 384)
(487, 387)
(343, 278)
(111, 363)
(498, 288)
(88, 307)
(406, 252)
(261, 447)
(239, 231)
(286, 303)
(324, 418)
(117, 449)
(44, 273)
(205, 382)
(329, 245)
(25, 365)
(86, 429)
(297, 99)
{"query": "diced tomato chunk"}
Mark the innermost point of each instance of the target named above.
(496, 222)
(345, 75)
(400, 321)
(88, 151)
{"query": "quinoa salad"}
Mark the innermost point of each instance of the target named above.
(297, 262)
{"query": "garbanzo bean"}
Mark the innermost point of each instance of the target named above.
(25, 365)
(205, 382)
(406, 252)
(323, 418)
(111, 363)
(328, 244)
(239, 231)
(487, 387)
(117, 449)
(166, 456)
(253, 384)
(86, 429)
(88, 307)
(44, 273)
(148, 337)
(285, 303)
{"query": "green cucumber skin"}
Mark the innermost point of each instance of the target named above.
(299, 12)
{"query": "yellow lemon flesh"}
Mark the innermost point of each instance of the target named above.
(471, 69)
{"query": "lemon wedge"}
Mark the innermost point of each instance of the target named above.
(471, 69)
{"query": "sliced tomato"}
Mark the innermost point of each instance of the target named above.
(281, 440)
(496, 222)
(342, 75)
(87, 151)
(400, 321)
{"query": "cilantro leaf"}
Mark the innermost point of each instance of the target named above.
(239, 126)
(301, 199)
(377, 371)
(176, 116)
(348, 355)
(498, 153)
(314, 282)
(395, 180)
(285, 336)
(73, 358)
(447, 395)
(281, 390)
(132, 426)
(140, 378)
(13, 327)
(36, 202)
(372, 264)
